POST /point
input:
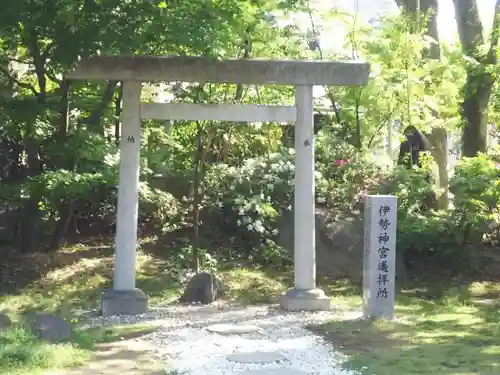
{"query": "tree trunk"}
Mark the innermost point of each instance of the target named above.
(477, 93)
(197, 199)
(439, 140)
(477, 89)
(65, 207)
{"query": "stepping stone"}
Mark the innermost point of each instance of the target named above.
(255, 357)
(234, 329)
(276, 371)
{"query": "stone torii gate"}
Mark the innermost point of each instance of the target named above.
(125, 298)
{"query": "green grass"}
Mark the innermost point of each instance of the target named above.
(254, 286)
(68, 283)
(455, 334)
(72, 280)
(441, 330)
(21, 352)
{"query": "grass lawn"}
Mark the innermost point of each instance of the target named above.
(68, 283)
(22, 353)
(72, 280)
(457, 333)
(441, 330)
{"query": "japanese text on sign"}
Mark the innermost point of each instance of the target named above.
(382, 239)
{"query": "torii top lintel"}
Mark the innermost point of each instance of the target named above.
(203, 69)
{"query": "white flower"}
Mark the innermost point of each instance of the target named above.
(258, 226)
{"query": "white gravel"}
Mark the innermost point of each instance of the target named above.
(187, 347)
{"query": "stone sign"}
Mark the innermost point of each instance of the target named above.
(379, 260)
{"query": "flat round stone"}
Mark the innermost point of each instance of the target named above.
(276, 371)
(255, 357)
(233, 329)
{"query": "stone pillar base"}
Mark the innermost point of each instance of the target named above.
(305, 300)
(130, 302)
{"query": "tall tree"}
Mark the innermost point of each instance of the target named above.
(480, 77)
(429, 9)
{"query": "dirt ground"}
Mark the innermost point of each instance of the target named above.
(126, 357)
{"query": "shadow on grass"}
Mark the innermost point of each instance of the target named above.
(457, 333)
(75, 287)
(19, 272)
(22, 352)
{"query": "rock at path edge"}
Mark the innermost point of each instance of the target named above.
(50, 327)
(204, 288)
(256, 357)
(5, 321)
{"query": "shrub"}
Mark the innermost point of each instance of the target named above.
(92, 198)
(248, 200)
(451, 235)
(476, 190)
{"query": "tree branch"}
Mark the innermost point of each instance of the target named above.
(382, 124)
(330, 96)
(107, 97)
(15, 81)
(247, 52)
(52, 76)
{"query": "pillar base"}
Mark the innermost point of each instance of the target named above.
(305, 300)
(130, 302)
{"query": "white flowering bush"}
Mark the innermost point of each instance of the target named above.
(252, 195)
(249, 199)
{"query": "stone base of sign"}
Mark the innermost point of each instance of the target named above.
(372, 313)
(305, 300)
(132, 302)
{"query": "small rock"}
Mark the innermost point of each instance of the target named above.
(5, 321)
(232, 329)
(50, 327)
(203, 287)
(276, 371)
(256, 357)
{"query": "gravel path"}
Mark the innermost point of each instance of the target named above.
(275, 341)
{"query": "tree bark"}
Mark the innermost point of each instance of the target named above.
(479, 83)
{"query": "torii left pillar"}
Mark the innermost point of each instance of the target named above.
(125, 298)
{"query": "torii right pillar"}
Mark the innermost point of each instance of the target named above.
(305, 296)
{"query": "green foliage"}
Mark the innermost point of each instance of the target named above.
(476, 190)
(456, 234)
(58, 175)
(22, 352)
(249, 200)
(413, 188)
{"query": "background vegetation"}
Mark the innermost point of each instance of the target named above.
(213, 194)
